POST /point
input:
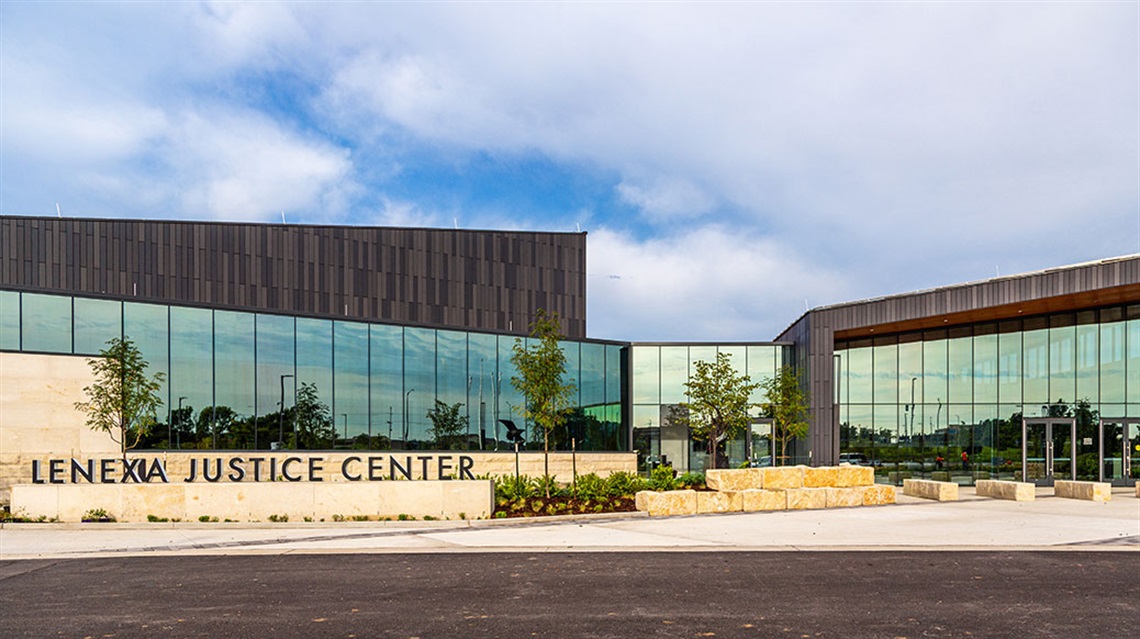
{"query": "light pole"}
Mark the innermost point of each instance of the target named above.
(179, 431)
(281, 416)
(345, 416)
(404, 431)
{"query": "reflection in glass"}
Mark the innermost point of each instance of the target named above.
(191, 375)
(46, 323)
(387, 384)
(350, 384)
(986, 369)
(674, 373)
(419, 386)
(1035, 348)
(960, 369)
(9, 321)
(96, 323)
(886, 373)
(147, 325)
(1112, 362)
(1062, 365)
(235, 374)
(859, 381)
(646, 374)
(276, 374)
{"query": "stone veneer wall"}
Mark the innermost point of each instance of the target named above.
(247, 501)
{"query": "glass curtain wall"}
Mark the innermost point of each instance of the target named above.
(948, 404)
(237, 380)
(659, 373)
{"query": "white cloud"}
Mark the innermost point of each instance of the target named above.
(902, 145)
(247, 167)
(665, 199)
(709, 283)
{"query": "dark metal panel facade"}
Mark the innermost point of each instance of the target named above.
(479, 280)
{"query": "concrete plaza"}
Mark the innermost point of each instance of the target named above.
(973, 523)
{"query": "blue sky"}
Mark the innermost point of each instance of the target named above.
(733, 163)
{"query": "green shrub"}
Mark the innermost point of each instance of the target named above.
(624, 483)
(691, 480)
(591, 487)
(97, 514)
(279, 518)
(207, 519)
(507, 487)
(156, 519)
(547, 483)
(663, 478)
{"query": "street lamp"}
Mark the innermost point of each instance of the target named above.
(179, 414)
(345, 416)
(281, 416)
(407, 400)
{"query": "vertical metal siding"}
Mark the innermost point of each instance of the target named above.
(433, 276)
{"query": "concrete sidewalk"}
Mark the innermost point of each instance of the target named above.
(974, 523)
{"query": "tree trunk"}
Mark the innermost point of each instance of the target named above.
(546, 460)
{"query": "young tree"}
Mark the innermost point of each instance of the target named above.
(717, 406)
(786, 402)
(446, 424)
(541, 368)
(123, 401)
(312, 419)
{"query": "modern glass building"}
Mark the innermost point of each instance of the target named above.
(1033, 376)
(658, 375)
(228, 372)
(977, 401)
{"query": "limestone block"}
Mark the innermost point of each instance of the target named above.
(878, 495)
(1137, 489)
(672, 502)
(757, 499)
(719, 501)
(473, 499)
(76, 499)
(804, 498)
(847, 476)
(844, 497)
(783, 477)
(822, 477)
(224, 501)
(929, 489)
(1086, 490)
(735, 479)
(167, 501)
(1013, 490)
(35, 501)
(345, 499)
(282, 499)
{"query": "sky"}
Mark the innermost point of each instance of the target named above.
(732, 163)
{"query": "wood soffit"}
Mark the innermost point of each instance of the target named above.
(1075, 301)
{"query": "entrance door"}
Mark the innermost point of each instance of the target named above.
(1047, 449)
(1119, 450)
(761, 446)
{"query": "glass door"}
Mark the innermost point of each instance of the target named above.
(1047, 449)
(760, 443)
(1119, 451)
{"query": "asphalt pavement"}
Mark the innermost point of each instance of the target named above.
(974, 568)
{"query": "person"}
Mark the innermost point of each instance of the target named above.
(965, 461)
(938, 462)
